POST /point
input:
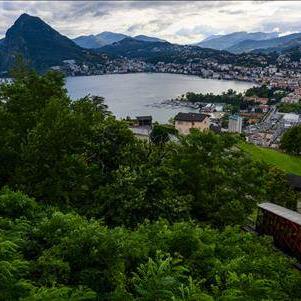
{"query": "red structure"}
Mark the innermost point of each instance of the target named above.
(283, 224)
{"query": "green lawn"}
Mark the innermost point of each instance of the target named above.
(290, 164)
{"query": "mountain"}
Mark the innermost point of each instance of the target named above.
(89, 42)
(154, 52)
(148, 39)
(43, 47)
(269, 45)
(107, 38)
(111, 37)
(99, 40)
(212, 37)
(224, 42)
(39, 44)
(294, 53)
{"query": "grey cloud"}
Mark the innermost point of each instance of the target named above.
(231, 12)
(134, 28)
(10, 6)
(283, 26)
(171, 17)
(199, 29)
(80, 9)
(101, 14)
(175, 6)
(155, 26)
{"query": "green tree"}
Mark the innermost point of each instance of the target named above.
(16, 204)
(56, 149)
(142, 192)
(21, 104)
(277, 189)
(159, 134)
(291, 140)
(60, 294)
(20, 69)
(290, 107)
(165, 279)
(224, 183)
(261, 91)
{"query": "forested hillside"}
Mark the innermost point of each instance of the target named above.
(154, 52)
(40, 45)
(89, 212)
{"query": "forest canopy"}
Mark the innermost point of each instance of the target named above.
(89, 212)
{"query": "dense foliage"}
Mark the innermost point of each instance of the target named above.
(273, 94)
(161, 134)
(291, 140)
(290, 107)
(229, 97)
(50, 255)
(261, 91)
(236, 101)
(233, 100)
(89, 212)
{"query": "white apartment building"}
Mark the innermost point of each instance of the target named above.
(235, 124)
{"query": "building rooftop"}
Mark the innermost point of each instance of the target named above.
(141, 130)
(144, 118)
(291, 117)
(234, 117)
(191, 117)
(288, 214)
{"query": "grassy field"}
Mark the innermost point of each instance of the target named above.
(287, 163)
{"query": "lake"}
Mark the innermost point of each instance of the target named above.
(139, 94)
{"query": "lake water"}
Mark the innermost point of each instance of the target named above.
(142, 93)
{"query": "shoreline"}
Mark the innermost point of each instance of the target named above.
(3, 78)
(178, 103)
(175, 73)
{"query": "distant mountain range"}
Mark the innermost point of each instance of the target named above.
(43, 47)
(99, 40)
(225, 42)
(160, 51)
(154, 52)
(148, 39)
(256, 42)
(40, 45)
(107, 38)
(269, 45)
(210, 38)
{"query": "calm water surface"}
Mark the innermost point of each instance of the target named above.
(142, 93)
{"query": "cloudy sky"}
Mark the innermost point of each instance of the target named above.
(176, 21)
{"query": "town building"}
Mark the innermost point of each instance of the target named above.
(142, 127)
(283, 224)
(255, 99)
(144, 120)
(235, 124)
(264, 108)
(141, 132)
(291, 98)
(184, 122)
(290, 119)
(208, 108)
